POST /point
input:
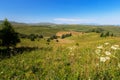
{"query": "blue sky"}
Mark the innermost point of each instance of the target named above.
(61, 11)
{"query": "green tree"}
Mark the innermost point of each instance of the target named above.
(102, 35)
(32, 37)
(8, 36)
(107, 34)
(112, 35)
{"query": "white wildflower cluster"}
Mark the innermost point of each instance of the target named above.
(71, 50)
(106, 43)
(106, 51)
(104, 59)
(115, 47)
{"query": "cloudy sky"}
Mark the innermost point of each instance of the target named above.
(61, 11)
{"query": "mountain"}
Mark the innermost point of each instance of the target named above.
(18, 23)
(14, 23)
(42, 23)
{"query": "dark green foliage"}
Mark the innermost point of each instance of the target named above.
(66, 35)
(102, 35)
(107, 34)
(77, 44)
(32, 37)
(48, 40)
(8, 36)
(112, 35)
(57, 40)
(63, 36)
(97, 30)
(53, 37)
(40, 36)
(23, 36)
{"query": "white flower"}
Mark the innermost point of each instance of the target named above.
(100, 47)
(97, 64)
(97, 51)
(107, 58)
(119, 65)
(113, 47)
(102, 59)
(107, 53)
(106, 43)
(117, 46)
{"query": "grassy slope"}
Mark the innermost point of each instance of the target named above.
(50, 30)
(58, 61)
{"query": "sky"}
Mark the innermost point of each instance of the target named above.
(62, 11)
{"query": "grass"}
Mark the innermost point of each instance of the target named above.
(49, 30)
(73, 60)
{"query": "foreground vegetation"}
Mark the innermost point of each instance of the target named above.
(80, 53)
(80, 57)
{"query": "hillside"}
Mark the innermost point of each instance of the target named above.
(83, 55)
(73, 58)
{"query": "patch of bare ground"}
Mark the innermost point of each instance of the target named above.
(59, 34)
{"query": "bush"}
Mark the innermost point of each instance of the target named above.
(107, 34)
(48, 40)
(97, 30)
(53, 37)
(66, 35)
(32, 37)
(40, 36)
(102, 35)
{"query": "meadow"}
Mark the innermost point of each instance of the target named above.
(83, 56)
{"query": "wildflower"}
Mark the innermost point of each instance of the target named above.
(113, 47)
(107, 53)
(70, 48)
(117, 46)
(119, 65)
(102, 59)
(97, 51)
(100, 47)
(107, 58)
(2, 72)
(97, 64)
(106, 43)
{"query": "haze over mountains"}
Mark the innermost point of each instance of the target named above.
(49, 23)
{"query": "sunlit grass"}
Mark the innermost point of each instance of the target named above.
(69, 61)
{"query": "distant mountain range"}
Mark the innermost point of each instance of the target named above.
(18, 23)
(48, 23)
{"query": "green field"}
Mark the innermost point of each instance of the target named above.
(48, 30)
(79, 57)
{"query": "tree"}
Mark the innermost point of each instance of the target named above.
(8, 36)
(102, 35)
(32, 37)
(107, 34)
(63, 36)
(112, 35)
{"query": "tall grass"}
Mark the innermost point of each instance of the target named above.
(67, 61)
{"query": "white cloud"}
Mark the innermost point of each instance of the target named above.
(73, 20)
